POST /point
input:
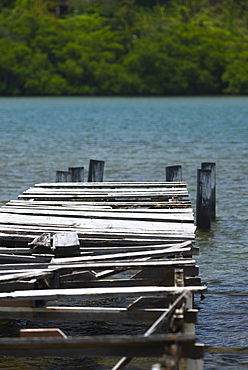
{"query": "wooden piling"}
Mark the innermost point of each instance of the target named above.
(96, 169)
(203, 199)
(61, 176)
(212, 167)
(173, 173)
(76, 174)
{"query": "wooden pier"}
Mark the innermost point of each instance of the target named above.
(65, 244)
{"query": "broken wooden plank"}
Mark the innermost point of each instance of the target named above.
(115, 256)
(11, 258)
(42, 333)
(182, 249)
(26, 274)
(115, 265)
(143, 207)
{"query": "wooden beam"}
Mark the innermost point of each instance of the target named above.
(23, 311)
(133, 346)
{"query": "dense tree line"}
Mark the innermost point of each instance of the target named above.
(124, 47)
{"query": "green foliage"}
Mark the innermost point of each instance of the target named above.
(124, 47)
(236, 72)
(187, 60)
(7, 4)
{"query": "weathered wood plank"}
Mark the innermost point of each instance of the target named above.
(158, 205)
(116, 256)
(110, 184)
(54, 294)
(138, 264)
(116, 265)
(157, 232)
(171, 249)
(86, 206)
(135, 216)
(132, 192)
(31, 231)
(75, 197)
(23, 237)
(105, 224)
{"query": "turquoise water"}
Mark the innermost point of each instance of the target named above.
(137, 138)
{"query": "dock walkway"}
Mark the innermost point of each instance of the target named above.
(102, 241)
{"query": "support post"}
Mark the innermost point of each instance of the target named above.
(203, 200)
(173, 173)
(61, 176)
(155, 326)
(76, 174)
(96, 169)
(212, 167)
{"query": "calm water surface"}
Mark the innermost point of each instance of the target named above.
(137, 138)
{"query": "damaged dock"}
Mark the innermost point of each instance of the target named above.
(124, 247)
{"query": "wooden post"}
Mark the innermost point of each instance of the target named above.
(96, 169)
(173, 173)
(203, 199)
(61, 176)
(212, 167)
(76, 174)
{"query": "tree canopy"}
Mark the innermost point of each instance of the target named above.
(124, 47)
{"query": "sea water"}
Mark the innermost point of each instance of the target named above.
(137, 138)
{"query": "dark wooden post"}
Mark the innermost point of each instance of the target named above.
(173, 173)
(96, 169)
(203, 199)
(76, 174)
(61, 176)
(212, 167)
